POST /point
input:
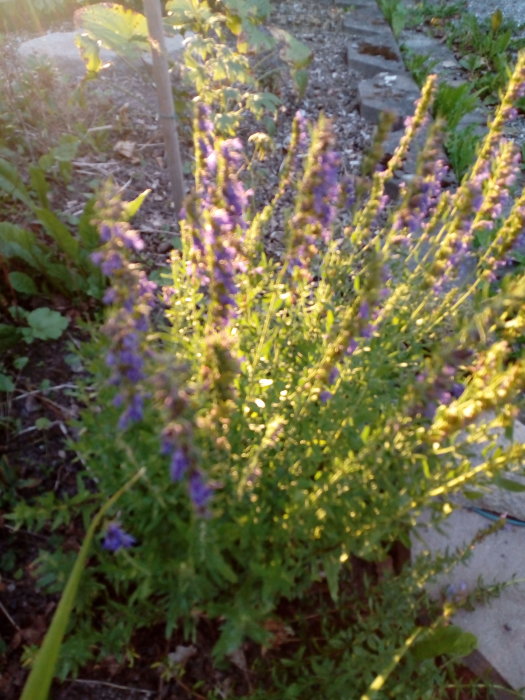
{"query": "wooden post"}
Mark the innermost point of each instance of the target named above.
(153, 12)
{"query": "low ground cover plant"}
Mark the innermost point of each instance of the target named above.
(485, 50)
(287, 417)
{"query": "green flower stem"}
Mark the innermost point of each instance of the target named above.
(41, 675)
(382, 677)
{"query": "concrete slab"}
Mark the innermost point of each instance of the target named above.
(60, 48)
(357, 30)
(369, 19)
(387, 92)
(498, 499)
(499, 558)
(441, 59)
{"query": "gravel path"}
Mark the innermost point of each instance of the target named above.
(511, 9)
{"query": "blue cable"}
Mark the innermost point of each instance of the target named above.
(491, 515)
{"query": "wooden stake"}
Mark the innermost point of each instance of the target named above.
(153, 12)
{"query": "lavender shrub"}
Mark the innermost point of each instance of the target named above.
(298, 412)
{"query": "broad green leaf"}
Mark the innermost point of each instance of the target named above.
(13, 185)
(115, 27)
(9, 336)
(60, 233)
(6, 383)
(257, 38)
(445, 640)
(46, 324)
(22, 283)
(293, 51)
(234, 24)
(183, 13)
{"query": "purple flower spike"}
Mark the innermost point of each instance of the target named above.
(333, 375)
(200, 493)
(133, 412)
(179, 464)
(116, 538)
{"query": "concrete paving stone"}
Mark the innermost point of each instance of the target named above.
(387, 92)
(60, 48)
(358, 5)
(498, 499)
(370, 32)
(368, 19)
(499, 624)
(374, 56)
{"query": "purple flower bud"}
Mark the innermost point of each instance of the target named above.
(116, 538)
(200, 493)
(333, 375)
(112, 263)
(133, 412)
(179, 464)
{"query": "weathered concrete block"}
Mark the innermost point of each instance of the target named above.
(498, 624)
(369, 20)
(496, 558)
(358, 4)
(358, 30)
(376, 55)
(387, 92)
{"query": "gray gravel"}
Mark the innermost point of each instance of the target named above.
(511, 9)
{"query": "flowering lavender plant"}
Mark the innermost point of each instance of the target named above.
(298, 412)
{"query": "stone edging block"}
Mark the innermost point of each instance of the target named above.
(387, 92)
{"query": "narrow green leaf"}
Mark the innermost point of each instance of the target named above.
(41, 675)
(131, 208)
(509, 484)
(13, 185)
(18, 242)
(60, 233)
(39, 184)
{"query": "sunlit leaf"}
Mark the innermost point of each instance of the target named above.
(115, 27)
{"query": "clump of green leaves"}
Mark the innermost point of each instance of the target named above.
(229, 57)
(396, 14)
(419, 65)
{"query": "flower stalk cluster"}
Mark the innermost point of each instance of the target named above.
(132, 299)
(317, 200)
